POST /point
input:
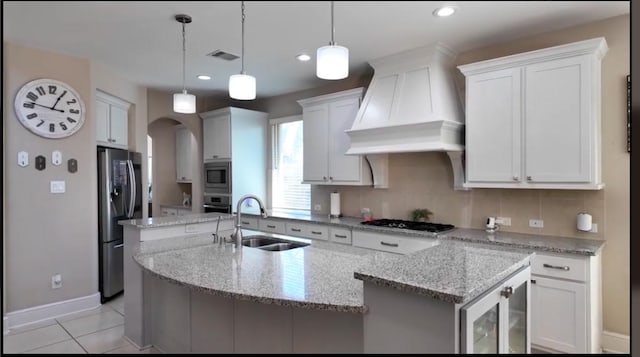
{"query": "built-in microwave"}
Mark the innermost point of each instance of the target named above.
(217, 177)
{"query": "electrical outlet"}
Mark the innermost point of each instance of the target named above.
(56, 281)
(536, 223)
(594, 228)
(317, 207)
(503, 221)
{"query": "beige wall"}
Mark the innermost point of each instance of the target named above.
(425, 179)
(45, 233)
(161, 122)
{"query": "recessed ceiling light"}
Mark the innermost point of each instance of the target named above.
(444, 11)
(204, 77)
(303, 57)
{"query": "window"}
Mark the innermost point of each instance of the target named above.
(287, 190)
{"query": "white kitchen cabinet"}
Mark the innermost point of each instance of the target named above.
(112, 121)
(238, 136)
(271, 226)
(216, 132)
(566, 308)
(249, 222)
(390, 242)
(184, 162)
(533, 119)
(340, 235)
(304, 230)
(325, 119)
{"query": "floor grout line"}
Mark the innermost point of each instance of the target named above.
(74, 339)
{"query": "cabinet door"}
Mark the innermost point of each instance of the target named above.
(315, 132)
(102, 122)
(558, 121)
(558, 315)
(216, 133)
(119, 125)
(493, 122)
(183, 155)
(342, 168)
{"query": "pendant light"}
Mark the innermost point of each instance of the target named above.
(242, 86)
(183, 102)
(332, 60)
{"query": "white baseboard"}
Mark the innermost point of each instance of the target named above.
(615, 342)
(48, 311)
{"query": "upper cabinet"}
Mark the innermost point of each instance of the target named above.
(216, 131)
(533, 119)
(325, 119)
(112, 121)
(184, 158)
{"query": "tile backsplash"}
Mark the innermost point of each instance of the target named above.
(425, 180)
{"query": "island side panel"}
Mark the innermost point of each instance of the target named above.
(262, 328)
(404, 322)
(134, 282)
(211, 323)
(316, 331)
(170, 316)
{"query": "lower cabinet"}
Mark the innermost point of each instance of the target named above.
(390, 243)
(271, 226)
(312, 231)
(495, 322)
(566, 309)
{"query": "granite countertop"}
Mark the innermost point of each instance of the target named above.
(318, 276)
(175, 220)
(451, 271)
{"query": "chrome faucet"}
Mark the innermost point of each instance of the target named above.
(237, 234)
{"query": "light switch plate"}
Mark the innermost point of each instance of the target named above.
(56, 157)
(58, 187)
(23, 159)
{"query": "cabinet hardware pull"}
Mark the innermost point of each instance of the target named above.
(556, 267)
(528, 178)
(268, 226)
(533, 281)
(118, 246)
(296, 230)
(244, 222)
(507, 292)
(516, 178)
(324, 178)
(389, 244)
(215, 156)
(331, 178)
(340, 236)
(314, 232)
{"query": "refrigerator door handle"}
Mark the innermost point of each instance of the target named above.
(132, 183)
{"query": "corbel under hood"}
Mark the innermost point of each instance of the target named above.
(411, 105)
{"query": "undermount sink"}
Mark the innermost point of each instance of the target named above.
(270, 243)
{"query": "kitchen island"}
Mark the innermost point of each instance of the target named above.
(203, 297)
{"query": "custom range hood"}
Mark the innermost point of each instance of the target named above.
(411, 105)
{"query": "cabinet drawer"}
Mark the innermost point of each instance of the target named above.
(340, 235)
(266, 225)
(557, 266)
(390, 243)
(313, 231)
(249, 222)
(169, 211)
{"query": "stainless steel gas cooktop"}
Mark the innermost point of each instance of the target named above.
(416, 226)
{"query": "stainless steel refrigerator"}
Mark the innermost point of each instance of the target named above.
(119, 198)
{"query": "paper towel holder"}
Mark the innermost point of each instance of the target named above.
(335, 201)
(584, 222)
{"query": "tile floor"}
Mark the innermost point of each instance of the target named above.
(99, 330)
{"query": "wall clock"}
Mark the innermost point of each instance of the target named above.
(49, 108)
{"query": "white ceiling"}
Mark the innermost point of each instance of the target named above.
(142, 41)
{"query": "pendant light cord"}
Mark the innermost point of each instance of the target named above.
(333, 28)
(184, 50)
(242, 9)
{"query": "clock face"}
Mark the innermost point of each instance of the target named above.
(49, 108)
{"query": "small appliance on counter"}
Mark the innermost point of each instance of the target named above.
(186, 199)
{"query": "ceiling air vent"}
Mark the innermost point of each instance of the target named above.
(223, 55)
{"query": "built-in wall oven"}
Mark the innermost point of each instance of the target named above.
(217, 177)
(217, 203)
